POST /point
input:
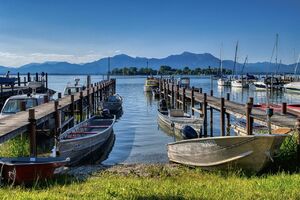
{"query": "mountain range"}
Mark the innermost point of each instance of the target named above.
(192, 60)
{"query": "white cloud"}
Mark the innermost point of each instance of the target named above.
(15, 60)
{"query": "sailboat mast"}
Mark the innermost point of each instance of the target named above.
(235, 57)
(246, 59)
(221, 62)
(276, 49)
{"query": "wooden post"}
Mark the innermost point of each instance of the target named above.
(283, 108)
(23, 106)
(59, 95)
(72, 108)
(177, 96)
(204, 111)
(46, 99)
(173, 95)
(249, 124)
(183, 100)
(228, 117)
(222, 117)
(93, 100)
(160, 88)
(32, 132)
(24, 81)
(46, 80)
(28, 77)
(193, 100)
(19, 79)
(200, 90)
(36, 77)
(81, 106)
(88, 81)
(211, 122)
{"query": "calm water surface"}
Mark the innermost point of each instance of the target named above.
(138, 137)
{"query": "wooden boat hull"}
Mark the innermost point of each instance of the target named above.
(250, 153)
(22, 170)
(78, 149)
(177, 123)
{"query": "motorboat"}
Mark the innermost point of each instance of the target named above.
(224, 81)
(184, 82)
(151, 83)
(113, 103)
(292, 87)
(176, 119)
(239, 83)
(250, 153)
(72, 88)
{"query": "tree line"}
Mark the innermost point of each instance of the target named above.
(167, 70)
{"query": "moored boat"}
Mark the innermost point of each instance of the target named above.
(224, 81)
(113, 103)
(292, 87)
(239, 83)
(72, 88)
(184, 82)
(150, 83)
(28, 170)
(250, 153)
(176, 119)
(85, 138)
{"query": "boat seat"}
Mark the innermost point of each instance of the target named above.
(83, 132)
(101, 126)
(176, 113)
(281, 131)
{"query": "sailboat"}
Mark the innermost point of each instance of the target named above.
(268, 82)
(223, 81)
(238, 82)
(293, 86)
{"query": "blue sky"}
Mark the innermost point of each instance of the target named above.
(85, 30)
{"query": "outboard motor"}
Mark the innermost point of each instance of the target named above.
(163, 108)
(189, 133)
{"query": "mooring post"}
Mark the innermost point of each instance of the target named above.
(23, 106)
(88, 96)
(211, 122)
(204, 111)
(183, 100)
(200, 90)
(28, 77)
(249, 124)
(222, 115)
(19, 79)
(24, 81)
(93, 100)
(88, 81)
(32, 133)
(46, 99)
(228, 117)
(177, 96)
(81, 106)
(72, 108)
(46, 80)
(172, 91)
(59, 95)
(101, 92)
(283, 108)
(36, 77)
(193, 100)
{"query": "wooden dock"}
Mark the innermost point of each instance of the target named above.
(202, 103)
(56, 116)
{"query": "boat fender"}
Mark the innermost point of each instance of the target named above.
(189, 133)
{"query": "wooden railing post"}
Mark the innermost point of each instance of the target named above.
(19, 79)
(249, 124)
(222, 117)
(32, 133)
(228, 117)
(177, 96)
(204, 111)
(183, 100)
(72, 108)
(193, 100)
(81, 106)
(283, 108)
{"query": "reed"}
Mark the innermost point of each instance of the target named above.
(16, 147)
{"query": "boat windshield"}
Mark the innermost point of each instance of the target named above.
(152, 82)
(73, 90)
(14, 105)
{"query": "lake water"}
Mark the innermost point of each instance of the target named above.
(138, 137)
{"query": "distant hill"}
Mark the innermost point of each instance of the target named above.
(192, 60)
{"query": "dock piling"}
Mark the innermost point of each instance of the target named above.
(222, 116)
(32, 132)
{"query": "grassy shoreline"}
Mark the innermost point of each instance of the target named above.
(160, 181)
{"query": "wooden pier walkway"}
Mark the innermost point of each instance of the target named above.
(201, 102)
(16, 124)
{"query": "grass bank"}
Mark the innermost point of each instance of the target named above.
(161, 182)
